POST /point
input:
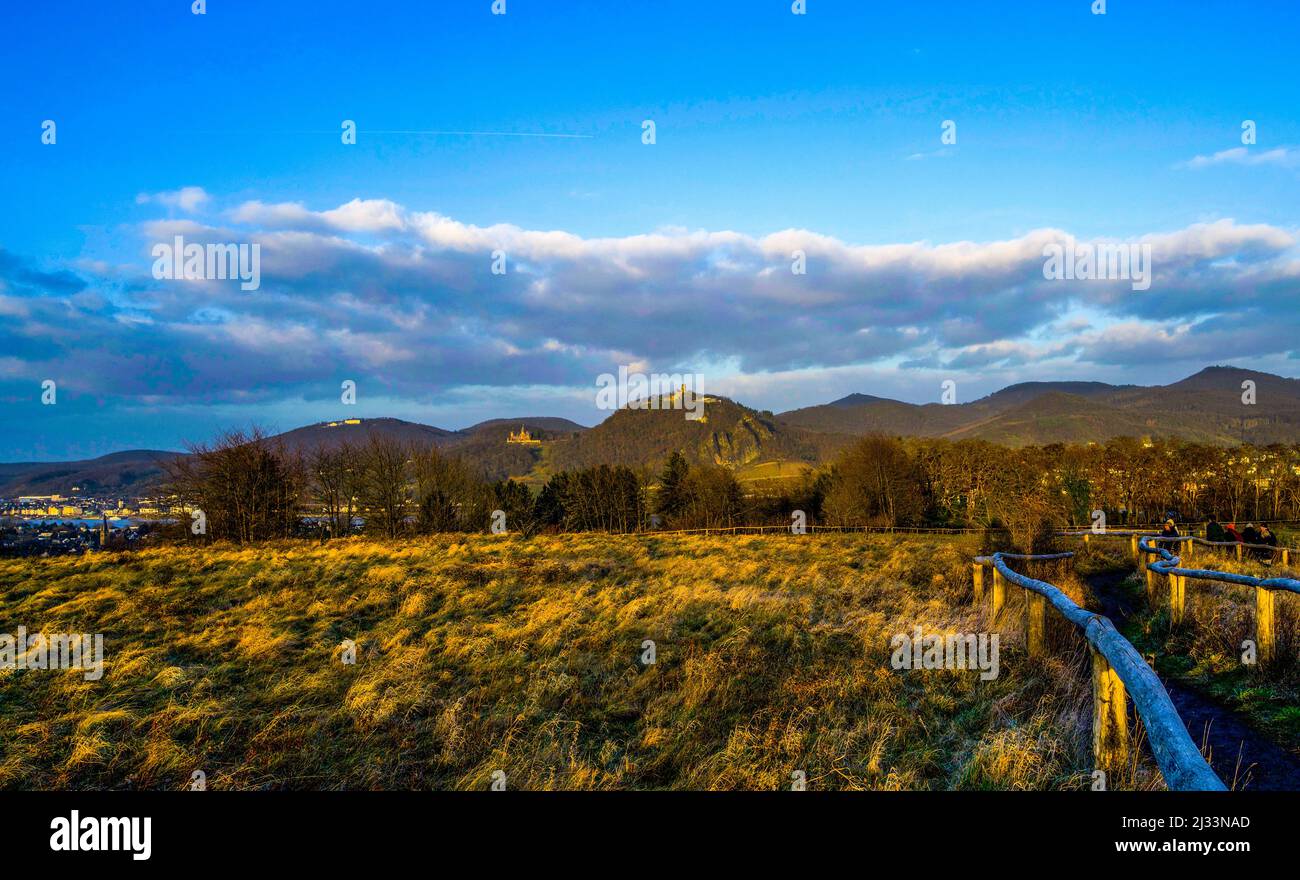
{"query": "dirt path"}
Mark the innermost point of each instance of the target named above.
(1237, 750)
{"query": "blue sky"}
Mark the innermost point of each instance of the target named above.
(824, 126)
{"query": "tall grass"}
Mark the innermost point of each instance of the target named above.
(482, 653)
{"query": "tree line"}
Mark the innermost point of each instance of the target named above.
(1034, 490)
(249, 487)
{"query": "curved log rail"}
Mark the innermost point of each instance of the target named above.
(1166, 571)
(1117, 670)
(1168, 567)
(1191, 541)
(811, 528)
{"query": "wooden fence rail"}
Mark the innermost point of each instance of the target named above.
(1189, 541)
(810, 528)
(1117, 671)
(1168, 566)
(924, 530)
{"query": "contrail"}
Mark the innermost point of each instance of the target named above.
(446, 132)
(537, 134)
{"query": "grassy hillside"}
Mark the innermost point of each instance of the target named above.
(481, 653)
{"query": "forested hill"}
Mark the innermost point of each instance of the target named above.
(729, 434)
(1207, 408)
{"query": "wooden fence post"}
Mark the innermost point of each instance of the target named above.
(1133, 547)
(1037, 630)
(977, 573)
(999, 592)
(1265, 620)
(1240, 547)
(1177, 597)
(1109, 716)
(1151, 582)
(1286, 556)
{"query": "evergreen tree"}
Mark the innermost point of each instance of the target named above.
(550, 503)
(671, 498)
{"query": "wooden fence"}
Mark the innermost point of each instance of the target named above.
(1165, 574)
(1118, 673)
(810, 529)
(1165, 570)
(786, 528)
(1282, 554)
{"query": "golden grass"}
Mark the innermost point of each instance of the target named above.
(483, 653)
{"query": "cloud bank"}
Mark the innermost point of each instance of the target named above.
(408, 304)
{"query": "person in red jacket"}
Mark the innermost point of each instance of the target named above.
(1231, 533)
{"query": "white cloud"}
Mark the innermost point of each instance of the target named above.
(188, 198)
(1285, 157)
(941, 153)
(358, 215)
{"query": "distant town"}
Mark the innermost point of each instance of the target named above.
(52, 525)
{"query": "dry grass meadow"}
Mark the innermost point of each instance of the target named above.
(482, 653)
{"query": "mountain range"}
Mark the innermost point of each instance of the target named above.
(1207, 407)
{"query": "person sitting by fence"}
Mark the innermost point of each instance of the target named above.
(1169, 531)
(1250, 534)
(1230, 533)
(1267, 538)
(1214, 531)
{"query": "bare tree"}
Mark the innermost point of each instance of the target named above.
(382, 488)
(335, 473)
(876, 483)
(711, 497)
(245, 486)
(448, 495)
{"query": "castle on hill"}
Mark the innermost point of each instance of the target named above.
(523, 437)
